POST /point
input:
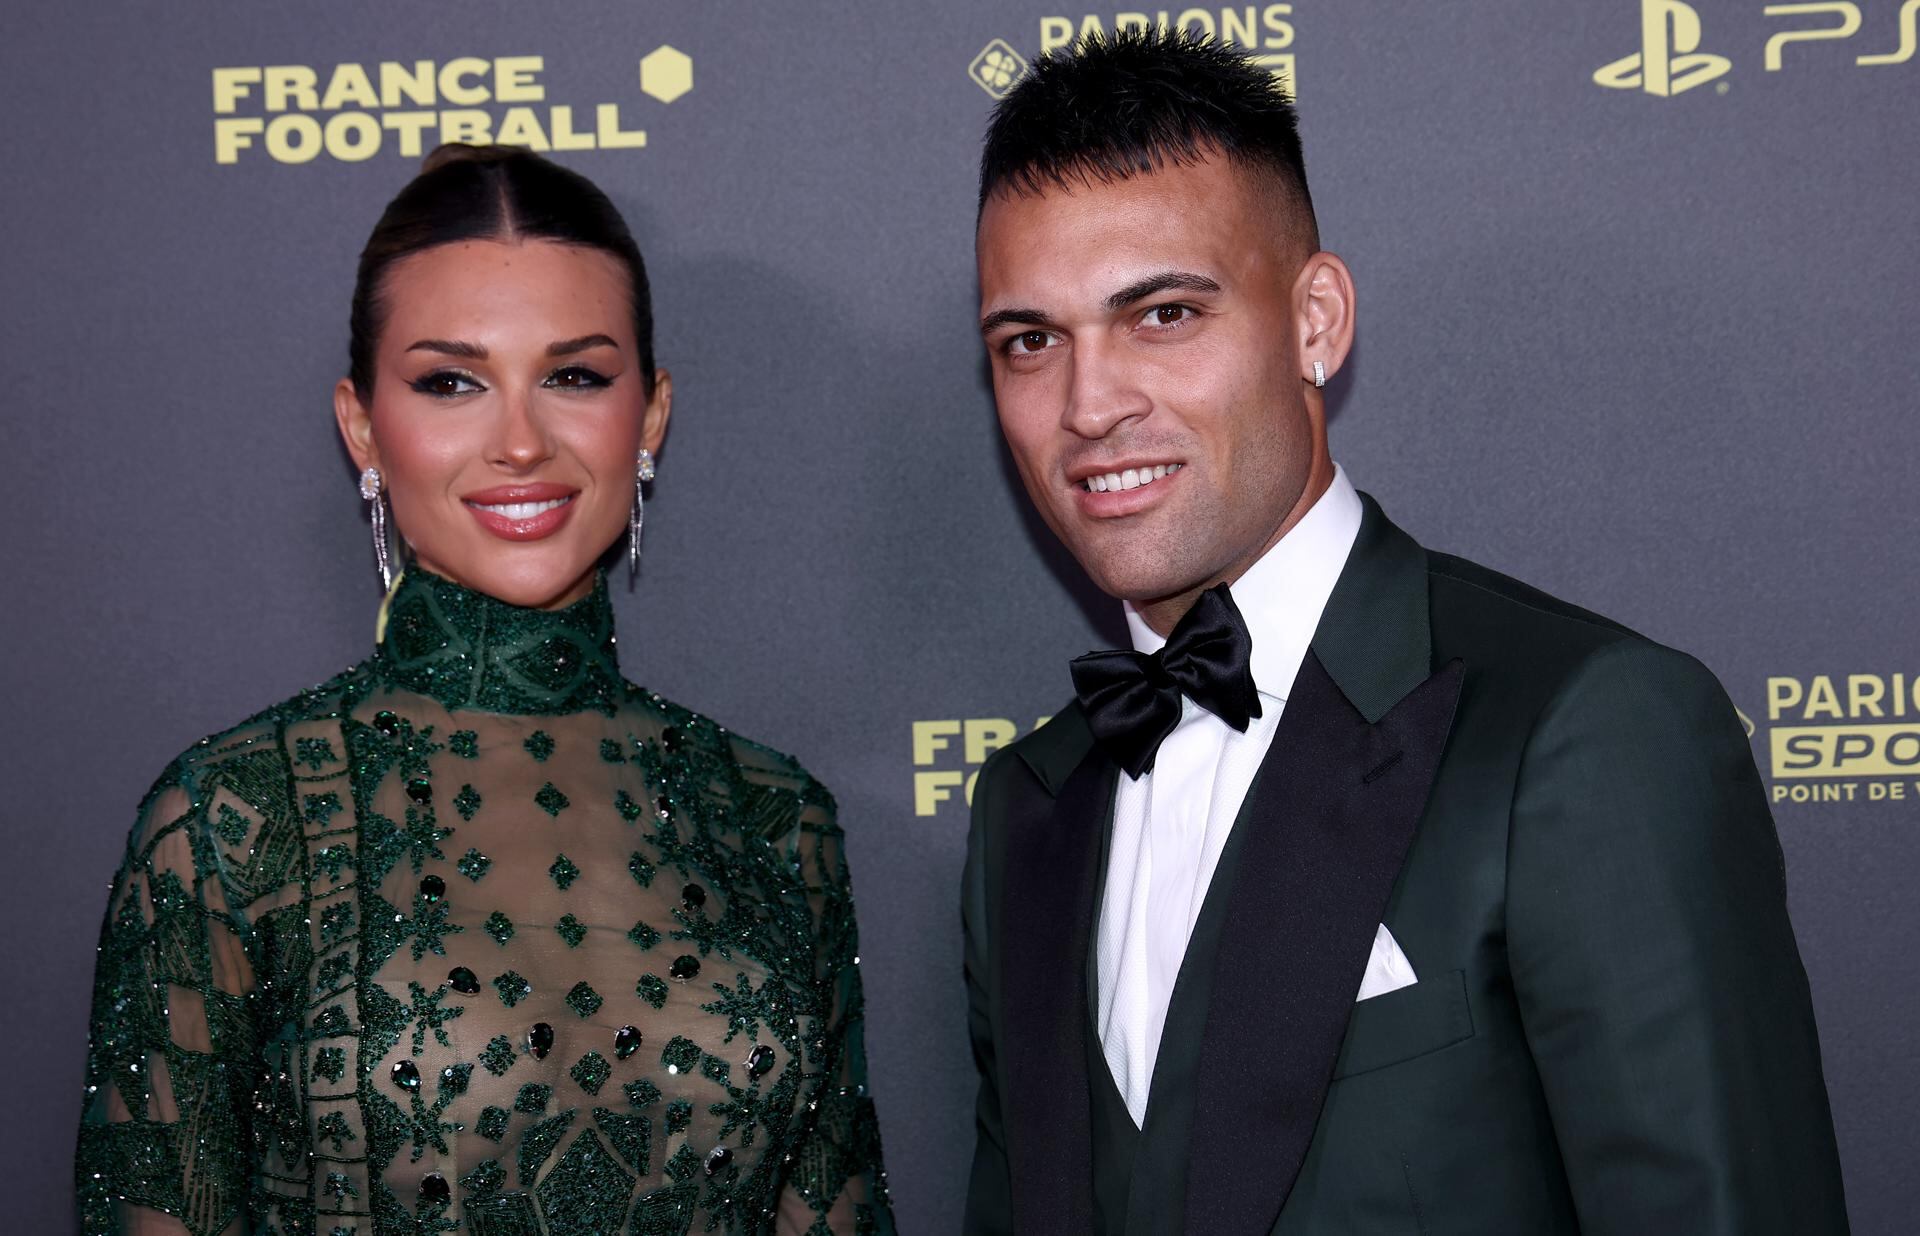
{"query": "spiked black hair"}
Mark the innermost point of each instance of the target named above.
(1113, 106)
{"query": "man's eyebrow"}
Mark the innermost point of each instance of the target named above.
(452, 347)
(1013, 317)
(1166, 280)
(566, 347)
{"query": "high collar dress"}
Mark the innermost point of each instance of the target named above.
(477, 937)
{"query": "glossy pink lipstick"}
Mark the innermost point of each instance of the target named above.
(522, 512)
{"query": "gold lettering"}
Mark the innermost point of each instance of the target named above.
(353, 137)
(294, 139)
(412, 128)
(513, 79)
(283, 84)
(230, 86)
(416, 87)
(608, 133)
(234, 134)
(1849, 15)
(349, 84)
(451, 87)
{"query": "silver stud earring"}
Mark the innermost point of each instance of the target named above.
(373, 490)
(1319, 373)
(642, 473)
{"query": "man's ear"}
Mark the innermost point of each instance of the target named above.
(1323, 314)
(659, 409)
(355, 421)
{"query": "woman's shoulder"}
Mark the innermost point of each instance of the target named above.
(777, 791)
(254, 762)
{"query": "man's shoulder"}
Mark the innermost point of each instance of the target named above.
(1543, 646)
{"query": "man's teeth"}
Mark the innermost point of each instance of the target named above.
(522, 510)
(1132, 478)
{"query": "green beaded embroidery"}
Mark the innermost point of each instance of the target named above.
(550, 799)
(291, 877)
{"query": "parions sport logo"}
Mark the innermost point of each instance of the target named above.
(300, 113)
(1264, 31)
(1844, 738)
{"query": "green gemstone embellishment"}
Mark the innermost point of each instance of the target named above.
(550, 799)
(591, 1072)
(231, 825)
(499, 1055)
(466, 802)
(610, 752)
(680, 1055)
(500, 927)
(628, 808)
(539, 745)
(679, 1116)
(493, 1123)
(641, 870)
(473, 864)
(330, 1063)
(533, 1098)
(714, 1069)
(643, 935)
(684, 1163)
(652, 989)
(315, 753)
(583, 1000)
(642, 1093)
(571, 929)
(563, 872)
(512, 988)
(465, 744)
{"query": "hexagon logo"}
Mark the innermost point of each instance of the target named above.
(666, 73)
(997, 69)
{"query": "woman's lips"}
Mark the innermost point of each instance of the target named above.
(522, 512)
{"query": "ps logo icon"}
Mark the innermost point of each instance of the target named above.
(1668, 61)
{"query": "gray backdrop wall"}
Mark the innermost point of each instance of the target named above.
(1638, 325)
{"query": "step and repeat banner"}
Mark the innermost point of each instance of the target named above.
(1637, 288)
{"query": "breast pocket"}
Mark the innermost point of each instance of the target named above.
(1405, 1024)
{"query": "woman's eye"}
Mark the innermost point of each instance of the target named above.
(576, 377)
(444, 383)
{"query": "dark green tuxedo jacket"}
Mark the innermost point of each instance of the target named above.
(1560, 823)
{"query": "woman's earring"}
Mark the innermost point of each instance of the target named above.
(642, 473)
(371, 488)
(1319, 373)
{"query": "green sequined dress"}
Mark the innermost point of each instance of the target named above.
(479, 938)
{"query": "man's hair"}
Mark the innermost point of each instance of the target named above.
(1113, 106)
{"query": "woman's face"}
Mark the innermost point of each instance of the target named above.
(508, 410)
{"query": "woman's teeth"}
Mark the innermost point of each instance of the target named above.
(521, 510)
(1132, 478)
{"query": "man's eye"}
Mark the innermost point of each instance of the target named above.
(1032, 341)
(576, 377)
(1170, 315)
(444, 383)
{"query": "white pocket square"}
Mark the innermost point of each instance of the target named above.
(1387, 968)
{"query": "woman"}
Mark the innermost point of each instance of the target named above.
(477, 937)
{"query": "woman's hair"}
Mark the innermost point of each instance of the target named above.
(490, 193)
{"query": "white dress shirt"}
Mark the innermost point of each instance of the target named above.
(1170, 825)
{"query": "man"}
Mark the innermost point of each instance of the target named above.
(1335, 765)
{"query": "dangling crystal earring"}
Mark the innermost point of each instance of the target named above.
(371, 488)
(642, 473)
(1319, 373)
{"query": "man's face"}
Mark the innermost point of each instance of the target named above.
(1146, 365)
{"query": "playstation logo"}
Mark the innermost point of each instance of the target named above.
(1668, 61)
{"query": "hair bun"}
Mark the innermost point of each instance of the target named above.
(448, 153)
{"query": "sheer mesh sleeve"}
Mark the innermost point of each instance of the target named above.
(836, 1179)
(170, 1050)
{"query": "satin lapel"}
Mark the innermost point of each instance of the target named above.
(1329, 819)
(1052, 854)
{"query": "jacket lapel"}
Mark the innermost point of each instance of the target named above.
(1327, 823)
(1051, 861)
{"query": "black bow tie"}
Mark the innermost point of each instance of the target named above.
(1132, 699)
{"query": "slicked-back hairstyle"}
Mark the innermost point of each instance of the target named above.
(490, 193)
(1108, 107)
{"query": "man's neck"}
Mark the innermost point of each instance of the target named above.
(1164, 613)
